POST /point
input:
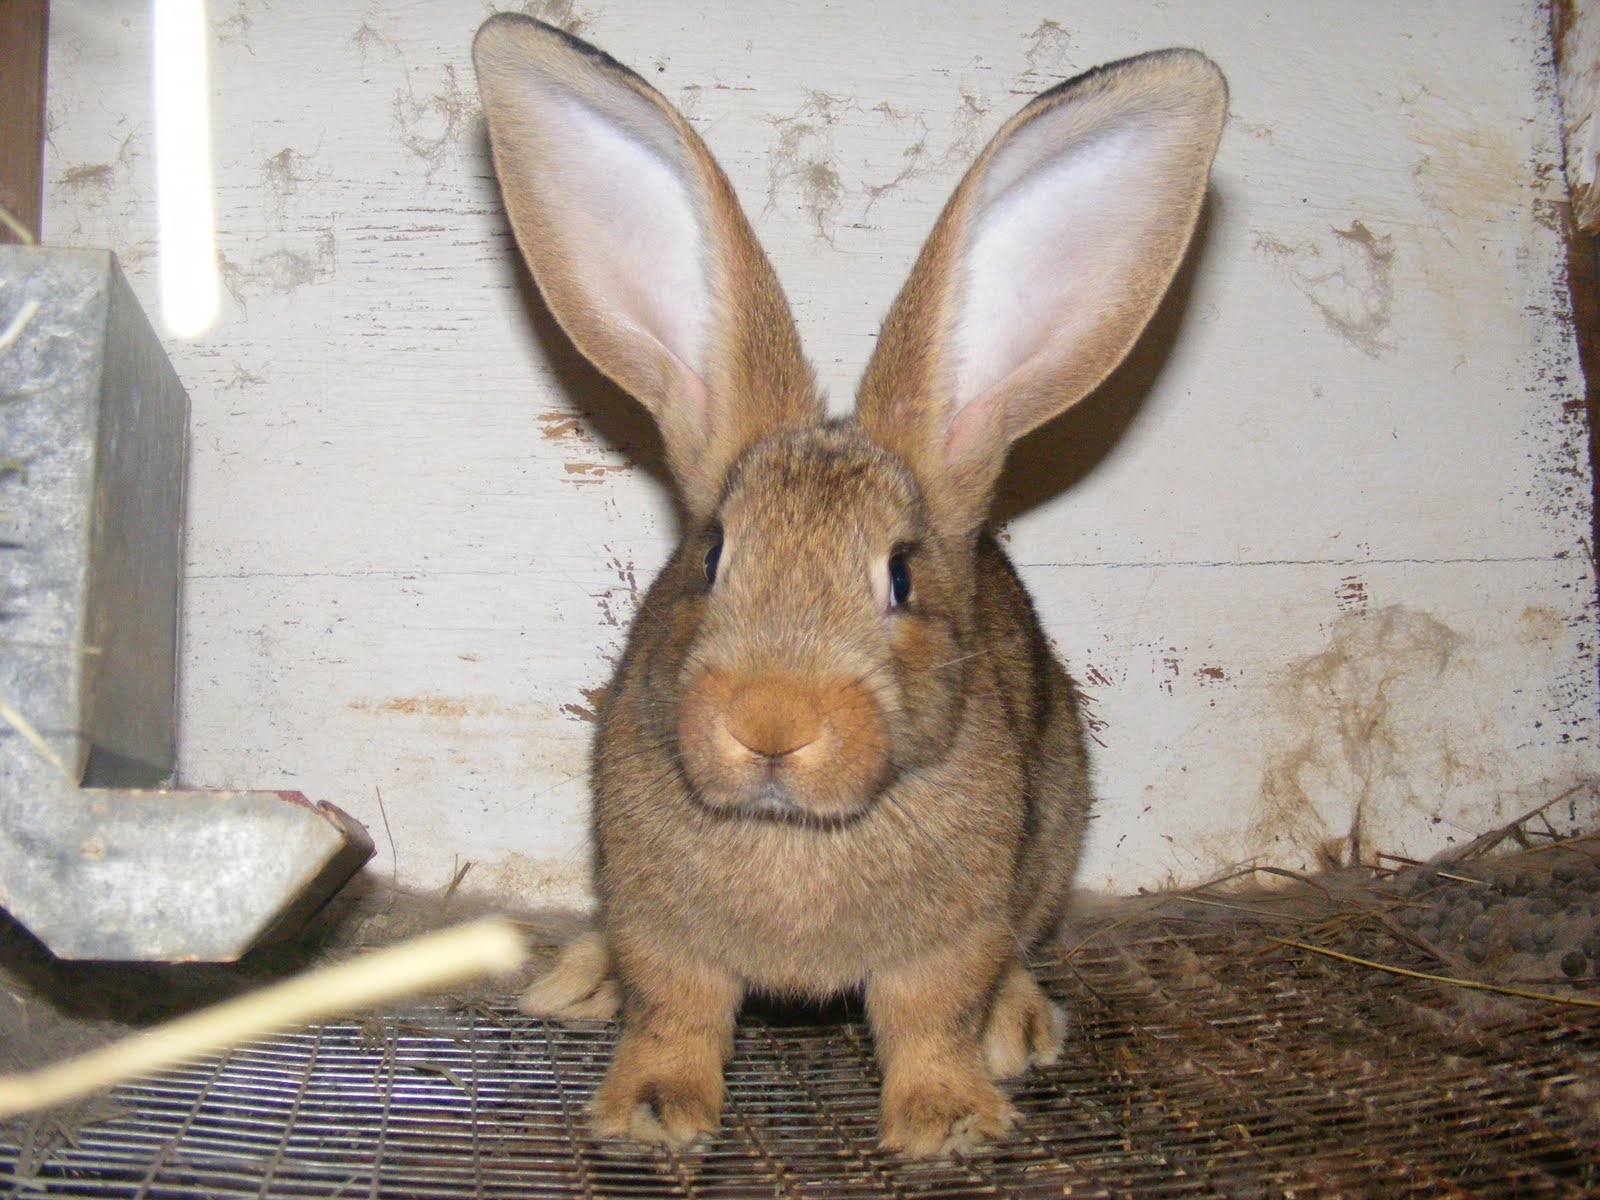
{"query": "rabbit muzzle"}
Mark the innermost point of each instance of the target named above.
(778, 745)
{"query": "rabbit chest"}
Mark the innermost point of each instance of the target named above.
(812, 910)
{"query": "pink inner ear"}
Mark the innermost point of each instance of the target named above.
(971, 427)
(694, 401)
(1061, 224)
(632, 218)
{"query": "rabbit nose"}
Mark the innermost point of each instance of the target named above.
(771, 719)
(779, 741)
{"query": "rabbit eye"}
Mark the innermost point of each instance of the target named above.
(713, 556)
(899, 579)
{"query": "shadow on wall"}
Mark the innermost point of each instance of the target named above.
(618, 422)
(1053, 458)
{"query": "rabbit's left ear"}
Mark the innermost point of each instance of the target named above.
(640, 248)
(1044, 268)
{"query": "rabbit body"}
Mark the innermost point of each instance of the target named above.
(955, 850)
(837, 752)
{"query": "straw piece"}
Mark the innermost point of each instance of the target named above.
(1474, 984)
(435, 961)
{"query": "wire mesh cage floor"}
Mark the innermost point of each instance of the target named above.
(1204, 1060)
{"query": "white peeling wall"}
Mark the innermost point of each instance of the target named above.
(1317, 554)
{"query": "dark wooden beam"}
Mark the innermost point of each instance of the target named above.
(1574, 31)
(24, 26)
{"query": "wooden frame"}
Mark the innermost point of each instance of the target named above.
(24, 28)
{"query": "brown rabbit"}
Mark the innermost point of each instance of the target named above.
(837, 752)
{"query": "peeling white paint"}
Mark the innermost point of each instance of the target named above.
(1317, 552)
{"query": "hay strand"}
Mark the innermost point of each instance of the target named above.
(438, 960)
(1450, 980)
(18, 323)
(34, 738)
(22, 233)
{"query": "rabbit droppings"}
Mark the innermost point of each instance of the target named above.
(838, 752)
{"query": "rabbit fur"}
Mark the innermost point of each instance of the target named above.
(837, 752)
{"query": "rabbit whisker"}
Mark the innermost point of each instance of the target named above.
(991, 648)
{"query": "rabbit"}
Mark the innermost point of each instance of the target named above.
(838, 753)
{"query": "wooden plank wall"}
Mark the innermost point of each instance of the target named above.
(1320, 555)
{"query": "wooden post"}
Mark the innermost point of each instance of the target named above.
(1575, 38)
(1575, 43)
(23, 30)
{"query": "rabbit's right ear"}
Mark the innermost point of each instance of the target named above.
(640, 249)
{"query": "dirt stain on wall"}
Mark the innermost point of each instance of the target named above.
(96, 180)
(592, 708)
(281, 176)
(429, 124)
(1348, 280)
(563, 14)
(1539, 624)
(1359, 738)
(1466, 167)
(591, 472)
(1049, 51)
(437, 707)
(95, 176)
(369, 37)
(283, 270)
(807, 173)
(234, 29)
(800, 169)
(560, 423)
(618, 603)
(533, 882)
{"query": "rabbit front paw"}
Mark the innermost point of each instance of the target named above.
(645, 1103)
(937, 1118)
(665, 1082)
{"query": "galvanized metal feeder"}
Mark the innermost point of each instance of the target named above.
(101, 857)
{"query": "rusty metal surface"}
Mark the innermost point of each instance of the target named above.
(1204, 1061)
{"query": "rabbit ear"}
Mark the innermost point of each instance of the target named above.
(1043, 269)
(639, 247)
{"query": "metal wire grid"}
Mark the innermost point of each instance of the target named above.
(1198, 1066)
